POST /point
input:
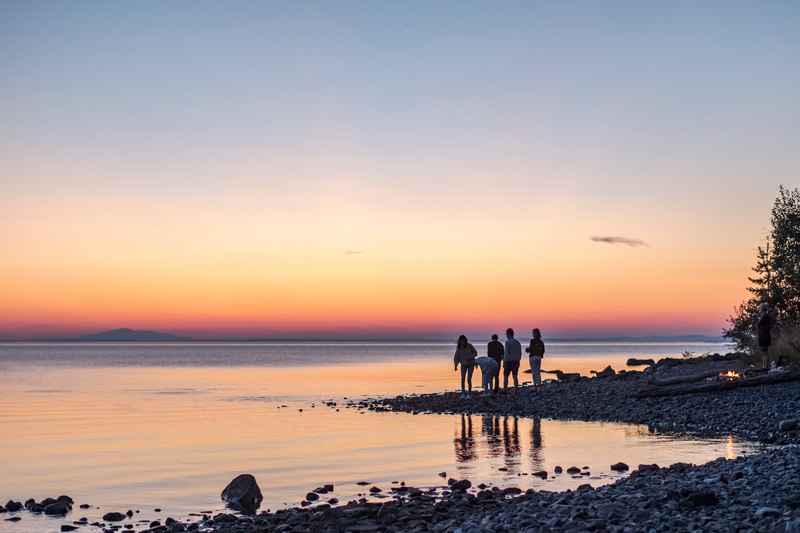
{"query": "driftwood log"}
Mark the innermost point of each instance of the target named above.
(652, 380)
(691, 388)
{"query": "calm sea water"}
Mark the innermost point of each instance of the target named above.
(145, 426)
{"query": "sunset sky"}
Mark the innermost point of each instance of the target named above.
(389, 169)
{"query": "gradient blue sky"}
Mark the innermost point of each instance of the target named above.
(204, 167)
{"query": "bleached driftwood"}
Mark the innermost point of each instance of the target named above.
(691, 388)
(652, 380)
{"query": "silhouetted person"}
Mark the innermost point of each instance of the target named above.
(764, 337)
(465, 356)
(495, 350)
(536, 351)
(465, 444)
(511, 358)
(489, 369)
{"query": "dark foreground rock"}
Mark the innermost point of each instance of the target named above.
(747, 494)
(243, 494)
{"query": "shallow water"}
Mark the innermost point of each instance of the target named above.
(138, 427)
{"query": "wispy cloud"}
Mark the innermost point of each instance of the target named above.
(351, 252)
(620, 240)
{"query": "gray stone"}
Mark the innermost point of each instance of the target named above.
(114, 517)
(243, 494)
(703, 498)
(647, 470)
(224, 518)
(462, 484)
(57, 509)
(619, 467)
(788, 425)
(768, 511)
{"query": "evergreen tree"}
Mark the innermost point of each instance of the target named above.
(778, 274)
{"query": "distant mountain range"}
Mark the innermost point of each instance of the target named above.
(124, 335)
(652, 338)
(130, 335)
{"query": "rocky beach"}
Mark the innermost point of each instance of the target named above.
(754, 493)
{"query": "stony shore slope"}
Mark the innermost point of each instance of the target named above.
(759, 493)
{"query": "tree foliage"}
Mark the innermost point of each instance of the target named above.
(777, 269)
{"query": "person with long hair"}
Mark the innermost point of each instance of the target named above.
(465, 356)
(536, 351)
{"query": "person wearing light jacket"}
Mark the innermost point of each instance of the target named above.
(465, 356)
(489, 369)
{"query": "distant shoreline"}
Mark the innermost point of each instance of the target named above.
(659, 339)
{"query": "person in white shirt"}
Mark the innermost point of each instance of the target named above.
(489, 369)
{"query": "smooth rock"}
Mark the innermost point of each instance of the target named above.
(768, 511)
(620, 467)
(703, 498)
(462, 484)
(57, 509)
(647, 470)
(640, 362)
(114, 517)
(243, 494)
(607, 371)
(13, 506)
(788, 425)
(224, 518)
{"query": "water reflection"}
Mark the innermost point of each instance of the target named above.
(536, 444)
(465, 442)
(499, 438)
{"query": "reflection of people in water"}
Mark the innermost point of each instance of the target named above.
(491, 430)
(499, 438)
(536, 433)
(465, 443)
(511, 437)
(536, 445)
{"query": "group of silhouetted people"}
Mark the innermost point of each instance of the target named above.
(497, 354)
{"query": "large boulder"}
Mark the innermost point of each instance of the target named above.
(13, 506)
(57, 508)
(243, 494)
(462, 484)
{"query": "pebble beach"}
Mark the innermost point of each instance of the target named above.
(754, 493)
